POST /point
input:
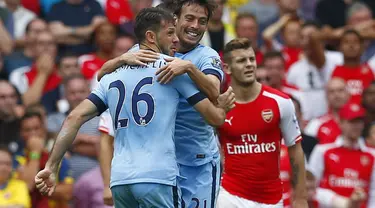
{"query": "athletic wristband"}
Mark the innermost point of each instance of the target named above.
(34, 155)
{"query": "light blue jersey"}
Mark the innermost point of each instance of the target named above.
(195, 139)
(144, 114)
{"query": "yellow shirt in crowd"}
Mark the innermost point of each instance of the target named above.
(14, 193)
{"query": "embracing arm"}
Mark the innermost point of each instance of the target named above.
(85, 111)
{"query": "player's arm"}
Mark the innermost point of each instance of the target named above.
(85, 111)
(141, 57)
(292, 137)
(207, 80)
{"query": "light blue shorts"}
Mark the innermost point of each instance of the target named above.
(146, 195)
(201, 186)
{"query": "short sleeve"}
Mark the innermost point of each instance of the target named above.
(99, 97)
(289, 123)
(211, 64)
(188, 89)
(316, 162)
(65, 173)
(106, 124)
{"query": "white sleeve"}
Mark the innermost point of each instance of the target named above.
(316, 162)
(19, 79)
(106, 124)
(333, 59)
(312, 127)
(292, 74)
(328, 198)
(289, 124)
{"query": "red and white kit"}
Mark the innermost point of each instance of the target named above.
(251, 140)
(342, 169)
(326, 129)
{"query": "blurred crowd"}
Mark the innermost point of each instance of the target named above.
(320, 52)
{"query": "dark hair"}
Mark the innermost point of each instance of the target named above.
(243, 16)
(31, 114)
(170, 5)
(235, 44)
(150, 19)
(352, 32)
(28, 26)
(209, 5)
(66, 55)
(73, 77)
(271, 55)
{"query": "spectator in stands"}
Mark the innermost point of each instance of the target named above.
(356, 75)
(347, 164)
(105, 37)
(6, 31)
(72, 22)
(33, 159)
(122, 45)
(311, 73)
(327, 128)
(88, 191)
(26, 56)
(13, 192)
(263, 11)
(291, 35)
(369, 135)
(368, 102)
(246, 26)
(119, 12)
(85, 146)
(218, 33)
(9, 121)
(262, 75)
(40, 82)
(21, 17)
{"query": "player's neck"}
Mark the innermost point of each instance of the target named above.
(352, 62)
(350, 142)
(152, 47)
(246, 94)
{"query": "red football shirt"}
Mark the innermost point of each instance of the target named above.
(90, 64)
(291, 56)
(356, 78)
(251, 138)
(118, 11)
(326, 129)
(342, 169)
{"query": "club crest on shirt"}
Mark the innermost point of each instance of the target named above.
(267, 115)
(216, 62)
(7, 195)
(364, 160)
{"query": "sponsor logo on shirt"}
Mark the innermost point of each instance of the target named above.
(250, 145)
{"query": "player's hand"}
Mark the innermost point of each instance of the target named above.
(45, 182)
(357, 197)
(107, 196)
(174, 68)
(35, 144)
(141, 57)
(226, 100)
(300, 203)
(45, 64)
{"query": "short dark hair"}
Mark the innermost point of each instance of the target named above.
(73, 77)
(31, 114)
(244, 15)
(170, 5)
(352, 32)
(235, 44)
(150, 19)
(273, 54)
(28, 26)
(208, 4)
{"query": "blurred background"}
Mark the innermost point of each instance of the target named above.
(320, 52)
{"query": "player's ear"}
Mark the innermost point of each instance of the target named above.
(226, 69)
(150, 36)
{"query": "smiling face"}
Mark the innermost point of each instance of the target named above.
(191, 25)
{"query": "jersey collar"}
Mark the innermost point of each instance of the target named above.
(359, 145)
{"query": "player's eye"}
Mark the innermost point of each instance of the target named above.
(203, 21)
(189, 18)
(252, 59)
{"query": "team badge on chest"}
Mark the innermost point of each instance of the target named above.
(364, 160)
(267, 115)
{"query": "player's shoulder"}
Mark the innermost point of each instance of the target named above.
(205, 51)
(274, 93)
(324, 148)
